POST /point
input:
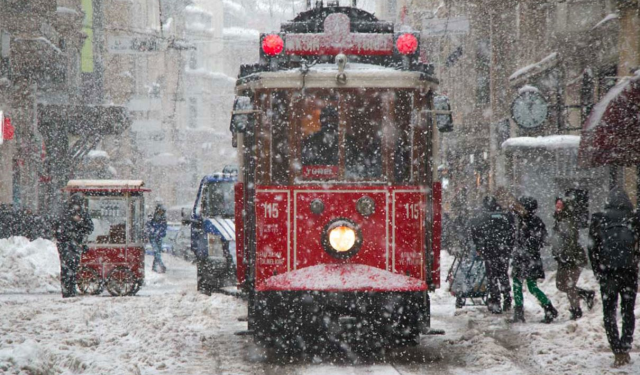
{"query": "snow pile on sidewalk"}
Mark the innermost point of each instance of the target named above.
(28, 266)
(168, 328)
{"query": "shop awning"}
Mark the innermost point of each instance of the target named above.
(37, 58)
(611, 134)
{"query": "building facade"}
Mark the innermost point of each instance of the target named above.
(488, 54)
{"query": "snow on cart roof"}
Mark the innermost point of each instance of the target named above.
(101, 185)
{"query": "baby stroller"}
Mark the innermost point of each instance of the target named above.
(467, 279)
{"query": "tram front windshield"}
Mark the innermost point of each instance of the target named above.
(218, 199)
(344, 134)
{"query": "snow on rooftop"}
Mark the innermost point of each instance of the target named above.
(193, 9)
(210, 74)
(65, 10)
(98, 154)
(536, 67)
(167, 25)
(607, 19)
(241, 33)
(528, 88)
(550, 142)
(232, 5)
(43, 40)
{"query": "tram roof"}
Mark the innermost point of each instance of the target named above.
(359, 75)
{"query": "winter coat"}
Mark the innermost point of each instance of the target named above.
(157, 227)
(73, 226)
(527, 263)
(566, 248)
(493, 232)
(618, 210)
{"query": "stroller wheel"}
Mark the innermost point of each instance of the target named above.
(460, 302)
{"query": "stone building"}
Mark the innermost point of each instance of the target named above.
(44, 87)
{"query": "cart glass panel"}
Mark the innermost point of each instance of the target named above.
(136, 232)
(109, 216)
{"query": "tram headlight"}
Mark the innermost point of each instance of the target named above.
(342, 238)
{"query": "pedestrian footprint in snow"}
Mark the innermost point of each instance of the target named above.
(570, 255)
(614, 252)
(527, 263)
(493, 233)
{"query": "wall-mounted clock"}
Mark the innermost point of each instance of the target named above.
(529, 110)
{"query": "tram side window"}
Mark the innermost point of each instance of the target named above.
(280, 138)
(321, 146)
(363, 140)
(405, 116)
(109, 218)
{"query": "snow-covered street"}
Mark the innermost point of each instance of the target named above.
(169, 328)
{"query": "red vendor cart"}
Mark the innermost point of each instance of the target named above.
(114, 257)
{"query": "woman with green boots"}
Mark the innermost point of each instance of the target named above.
(527, 263)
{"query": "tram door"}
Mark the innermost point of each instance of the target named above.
(244, 127)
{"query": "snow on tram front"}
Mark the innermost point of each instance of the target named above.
(337, 209)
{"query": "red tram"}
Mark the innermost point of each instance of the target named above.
(337, 208)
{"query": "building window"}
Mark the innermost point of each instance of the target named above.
(193, 60)
(193, 113)
(483, 71)
(607, 78)
(5, 53)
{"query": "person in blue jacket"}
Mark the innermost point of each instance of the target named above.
(156, 231)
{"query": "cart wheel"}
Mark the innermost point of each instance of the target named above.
(89, 281)
(136, 288)
(460, 302)
(121, 282)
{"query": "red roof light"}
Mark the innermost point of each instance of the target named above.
(272, 44)
(407, 44)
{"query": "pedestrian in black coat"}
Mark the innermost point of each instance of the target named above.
(70, 232)
(527, 262)
(493, 233)
(614, 253)
(570, 255)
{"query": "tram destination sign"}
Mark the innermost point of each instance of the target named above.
(337, 38)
